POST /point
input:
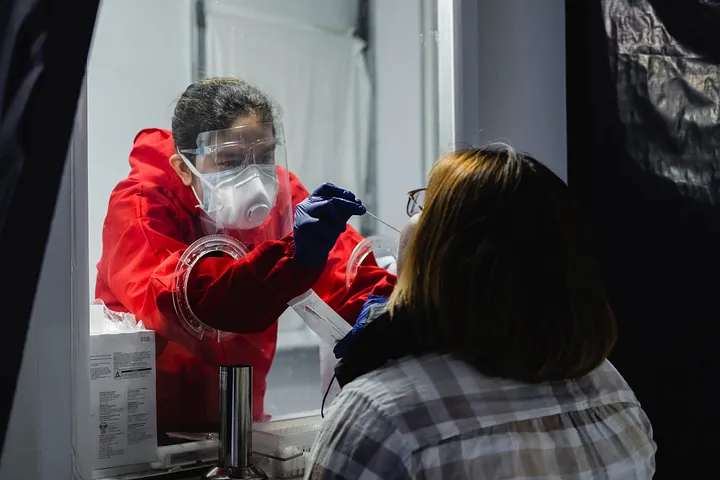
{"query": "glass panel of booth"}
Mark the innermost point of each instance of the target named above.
(188, 103)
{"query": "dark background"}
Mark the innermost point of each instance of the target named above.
(643, 143)
(43, 53)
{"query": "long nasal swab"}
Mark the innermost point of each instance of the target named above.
(384, 223)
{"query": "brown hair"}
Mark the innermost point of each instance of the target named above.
(500, 271)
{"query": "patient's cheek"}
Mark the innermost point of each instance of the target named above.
(405, 237)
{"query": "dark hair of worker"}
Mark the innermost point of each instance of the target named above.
(218, 103)
(500, 271)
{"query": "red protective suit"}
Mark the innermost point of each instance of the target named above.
(152, 218)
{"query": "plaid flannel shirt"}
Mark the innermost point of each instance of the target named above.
(435, 417)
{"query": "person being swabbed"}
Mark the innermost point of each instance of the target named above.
(222, 170)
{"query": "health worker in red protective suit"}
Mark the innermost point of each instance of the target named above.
(221, 173)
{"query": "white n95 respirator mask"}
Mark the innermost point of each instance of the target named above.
(241, 198)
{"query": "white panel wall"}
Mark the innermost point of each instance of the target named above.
(139, 65)
(520, 71)
(398, 81)
(327, 14)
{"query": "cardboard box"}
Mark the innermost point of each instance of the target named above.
(122, 388)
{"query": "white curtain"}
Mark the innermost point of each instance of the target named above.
(318, 77)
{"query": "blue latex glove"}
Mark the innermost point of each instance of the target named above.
(342, 346)
(320, 219)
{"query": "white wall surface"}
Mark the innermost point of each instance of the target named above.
(139, 65)
(326, 14)
(396, 27)
(520, 86)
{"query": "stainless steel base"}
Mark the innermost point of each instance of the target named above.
(247, 473)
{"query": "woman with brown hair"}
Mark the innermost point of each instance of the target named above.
(489, 360)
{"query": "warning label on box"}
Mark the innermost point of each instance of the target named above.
(122, 373)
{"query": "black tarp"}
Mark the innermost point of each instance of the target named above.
(43, 53)
(643, 81)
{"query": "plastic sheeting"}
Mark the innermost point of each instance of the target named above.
(668, 95)
(644, 158)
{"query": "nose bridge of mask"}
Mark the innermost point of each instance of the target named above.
(211, 181)
(254, 184)
(243, 201)
(244, 185)
(233, 176)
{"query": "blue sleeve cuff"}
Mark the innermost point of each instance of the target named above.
(372, 301)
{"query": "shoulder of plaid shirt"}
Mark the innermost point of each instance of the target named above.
(437, 417)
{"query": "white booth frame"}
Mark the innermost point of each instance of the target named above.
(80, 312)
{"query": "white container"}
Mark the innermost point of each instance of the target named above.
(122, 389)
(281, 447)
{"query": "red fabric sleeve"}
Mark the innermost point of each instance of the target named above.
(243, 296)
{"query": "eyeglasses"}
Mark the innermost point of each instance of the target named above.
(416, 201)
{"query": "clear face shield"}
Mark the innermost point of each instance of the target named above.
(245, 183)
(245, 200)
(383, 248)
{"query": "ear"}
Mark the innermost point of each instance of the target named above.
(178, 164)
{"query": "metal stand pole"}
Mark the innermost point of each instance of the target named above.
(234, 461)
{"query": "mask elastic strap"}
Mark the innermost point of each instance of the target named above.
(199, 175)
(197, 197)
